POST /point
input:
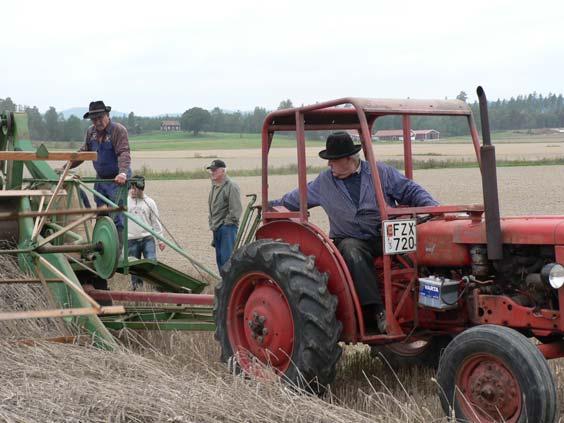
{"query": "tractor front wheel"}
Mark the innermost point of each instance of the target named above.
(493, 373)
(273, 309)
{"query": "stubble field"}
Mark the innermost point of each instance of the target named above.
(191, 160)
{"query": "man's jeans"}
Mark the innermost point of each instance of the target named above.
(224, 241)
(141, 247)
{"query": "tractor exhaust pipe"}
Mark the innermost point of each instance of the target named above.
(489, 184)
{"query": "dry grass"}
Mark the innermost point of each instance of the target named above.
(68, 383)
(18, 297)
(176, 377)
(168, 377)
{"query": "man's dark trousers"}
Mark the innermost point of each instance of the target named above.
(359, 254)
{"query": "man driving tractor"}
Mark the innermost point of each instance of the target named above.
(346, 193)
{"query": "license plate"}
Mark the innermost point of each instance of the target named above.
(399, 236)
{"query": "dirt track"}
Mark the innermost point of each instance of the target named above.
(523, 190)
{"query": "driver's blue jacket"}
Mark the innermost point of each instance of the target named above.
(346, 219)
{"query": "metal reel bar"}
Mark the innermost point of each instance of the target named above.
(68, 212)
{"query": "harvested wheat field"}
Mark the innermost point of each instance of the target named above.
(251, 158)
(191, 160)
(176, 377)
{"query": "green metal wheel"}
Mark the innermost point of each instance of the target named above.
(105, 235)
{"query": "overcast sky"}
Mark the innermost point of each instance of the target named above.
(155, 57)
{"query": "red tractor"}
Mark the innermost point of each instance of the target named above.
(459, 282)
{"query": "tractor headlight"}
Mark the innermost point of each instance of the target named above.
(553, 273)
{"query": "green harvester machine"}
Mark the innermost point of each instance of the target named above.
(72, 249)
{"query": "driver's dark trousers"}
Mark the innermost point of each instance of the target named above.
(359, 254)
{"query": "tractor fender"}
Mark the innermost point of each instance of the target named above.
(313, 242)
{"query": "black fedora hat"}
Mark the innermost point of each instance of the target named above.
(96, 108)
(339, 145)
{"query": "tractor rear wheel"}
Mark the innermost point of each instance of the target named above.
(273, 306)
(419, 351)
(493, 373)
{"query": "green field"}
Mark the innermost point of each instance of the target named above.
(206, 141)
(223, 141)
(227, 141)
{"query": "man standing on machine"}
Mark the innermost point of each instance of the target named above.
(110, 140)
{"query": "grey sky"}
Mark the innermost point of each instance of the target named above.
(154, 57)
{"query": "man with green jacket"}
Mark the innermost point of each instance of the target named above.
(224, 211)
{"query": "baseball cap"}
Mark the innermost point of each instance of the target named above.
(217, 163)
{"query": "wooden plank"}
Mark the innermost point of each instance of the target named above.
(56, 155)
(68, 339)
(62, 176)
(30, 280)
(59, 212)
(82, 340)
(66, 229)
(39, 209)
(64, 312)
(68, 282)
(29, 192)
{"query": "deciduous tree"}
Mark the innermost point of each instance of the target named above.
(52, 118)
(36, 124)
(195, 119)
(73, 129)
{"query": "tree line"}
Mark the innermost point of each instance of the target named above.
(524, 112)
(50, 125)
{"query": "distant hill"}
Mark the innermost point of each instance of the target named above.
(79, 112)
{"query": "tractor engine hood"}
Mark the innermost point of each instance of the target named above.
(445, 242)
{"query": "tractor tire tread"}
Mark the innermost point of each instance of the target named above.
(523, 358)
(317, 330)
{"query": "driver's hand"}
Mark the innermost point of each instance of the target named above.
(161, 246)
(120, 179)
